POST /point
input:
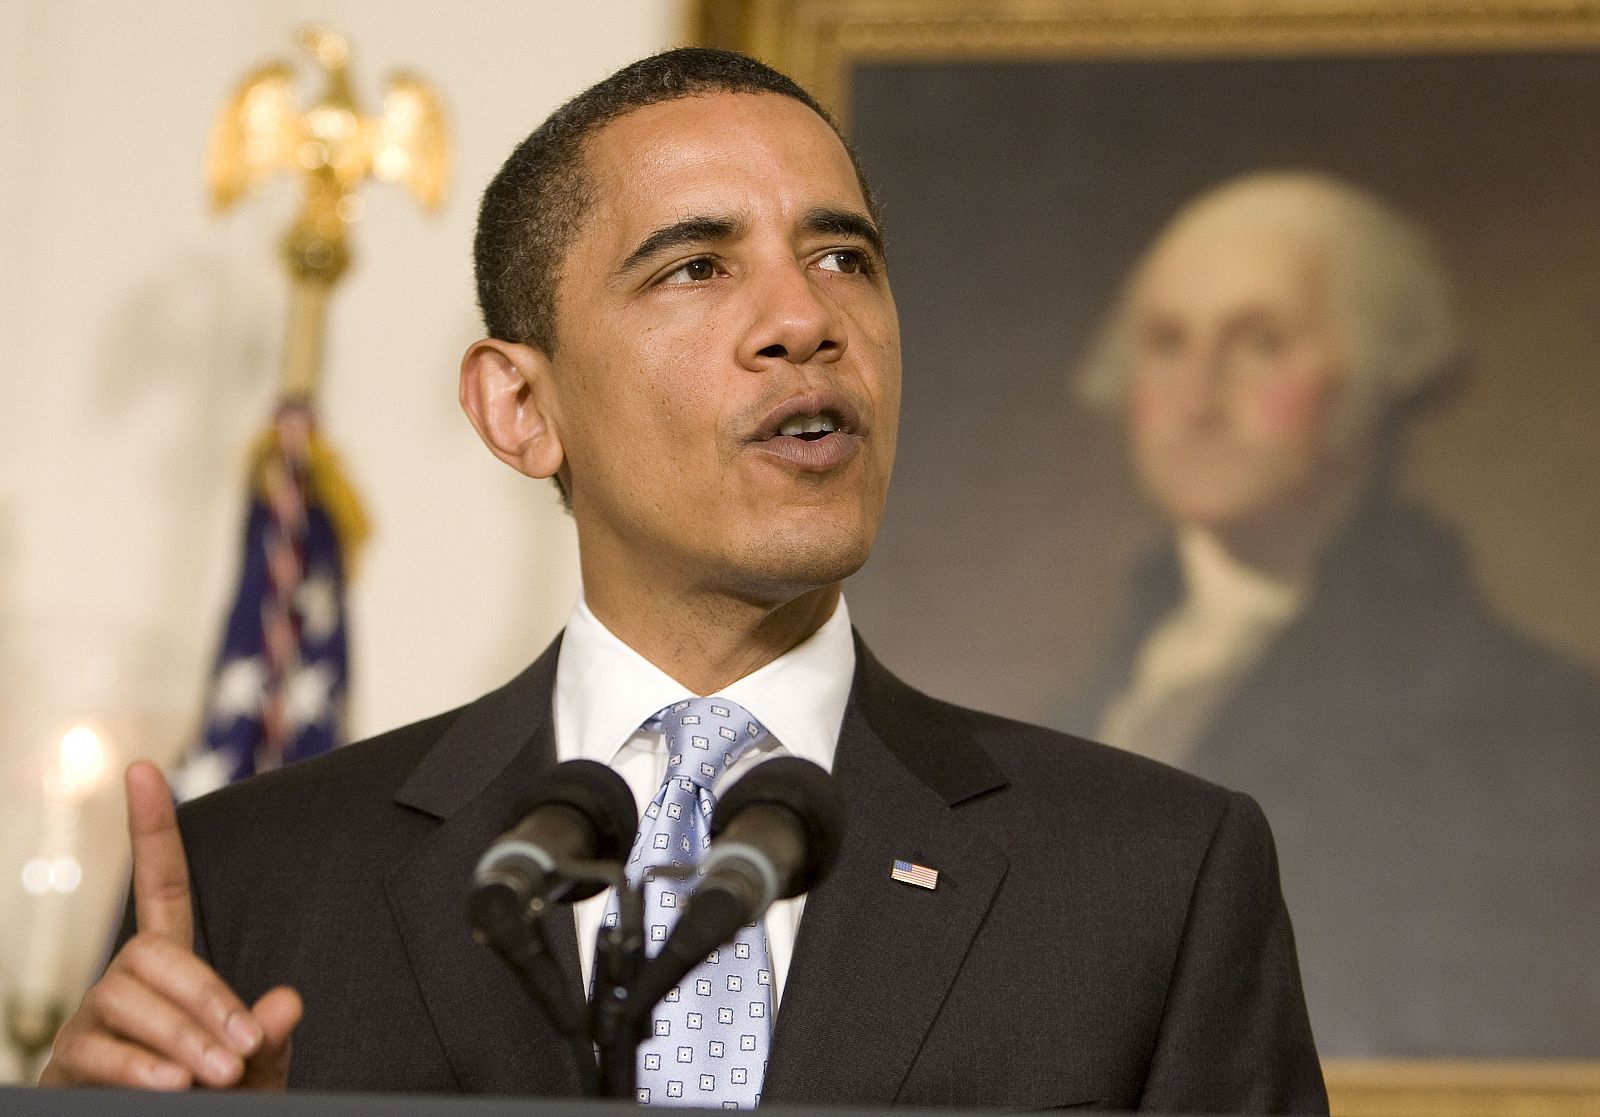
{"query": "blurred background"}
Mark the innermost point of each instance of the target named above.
(140, 341)
(140, 348)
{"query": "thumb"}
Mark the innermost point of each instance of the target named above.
(278, 1012)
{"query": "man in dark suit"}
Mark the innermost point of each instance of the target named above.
(691, 329)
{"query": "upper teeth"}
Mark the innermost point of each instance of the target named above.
(807, 424)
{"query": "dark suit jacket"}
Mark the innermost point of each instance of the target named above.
(1431, 776)
(1105, 932)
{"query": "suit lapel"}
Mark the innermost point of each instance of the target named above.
(494, 1037)
(875, 958)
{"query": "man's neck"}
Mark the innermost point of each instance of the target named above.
(708, 641)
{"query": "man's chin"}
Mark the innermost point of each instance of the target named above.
(1218, 500)
(782, 570)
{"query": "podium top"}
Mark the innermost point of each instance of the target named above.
(30, 1101)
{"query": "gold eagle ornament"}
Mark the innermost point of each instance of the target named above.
(333, 147)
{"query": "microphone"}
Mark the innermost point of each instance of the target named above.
(776, 833)
(579, 811)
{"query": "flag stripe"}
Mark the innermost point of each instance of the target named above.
(909, 872)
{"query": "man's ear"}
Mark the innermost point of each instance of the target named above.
(507, 392)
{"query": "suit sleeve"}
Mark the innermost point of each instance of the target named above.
(1234, 1036)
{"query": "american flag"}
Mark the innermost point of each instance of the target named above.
(277, 691)
(909, 872)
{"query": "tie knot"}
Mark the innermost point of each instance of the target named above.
(704, 736)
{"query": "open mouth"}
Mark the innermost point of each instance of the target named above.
(816, 432)
(811, 417)
(811, 428)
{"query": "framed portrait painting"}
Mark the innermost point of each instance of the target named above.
(1250, 394)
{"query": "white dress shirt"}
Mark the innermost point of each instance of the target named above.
(605, 692)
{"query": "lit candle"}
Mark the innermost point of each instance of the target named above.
(51, 877)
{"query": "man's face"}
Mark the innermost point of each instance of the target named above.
(726, 382)
(1237, 373)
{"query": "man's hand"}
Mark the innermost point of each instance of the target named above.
(159, 1017)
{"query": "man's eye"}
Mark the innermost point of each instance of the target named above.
(1162, 341)
(847, 260)
(694, 271)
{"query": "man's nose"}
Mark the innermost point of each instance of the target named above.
(1198, 383)
(791, 320)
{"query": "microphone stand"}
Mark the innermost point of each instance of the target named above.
(618, 1014)
(615, 1023)
(519, 936)
(614, 1020)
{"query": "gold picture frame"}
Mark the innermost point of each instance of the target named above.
(820, 42)
(817, 42)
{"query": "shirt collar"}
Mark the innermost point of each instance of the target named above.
(1231, 593)
(605, 690)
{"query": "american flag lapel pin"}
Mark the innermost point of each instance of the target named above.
(909, 872)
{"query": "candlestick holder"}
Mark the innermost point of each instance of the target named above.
(31, 1026)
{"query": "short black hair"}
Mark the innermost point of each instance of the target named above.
(532, 208)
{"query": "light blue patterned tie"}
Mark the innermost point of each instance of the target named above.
(710, 1034)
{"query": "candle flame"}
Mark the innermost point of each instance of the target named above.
(80, 764)
(66, 873)
(36, 876)
(52, 874)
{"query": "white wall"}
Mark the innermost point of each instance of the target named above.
(139, 353)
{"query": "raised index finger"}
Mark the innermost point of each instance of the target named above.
(160, 869)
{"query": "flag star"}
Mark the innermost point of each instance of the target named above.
(202, 774)
(238, 690)
(311, 694)
(317, 601)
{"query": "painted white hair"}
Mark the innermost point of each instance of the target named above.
(1392, 300)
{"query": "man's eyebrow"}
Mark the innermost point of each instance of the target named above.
(843, 223)
(691, 230)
